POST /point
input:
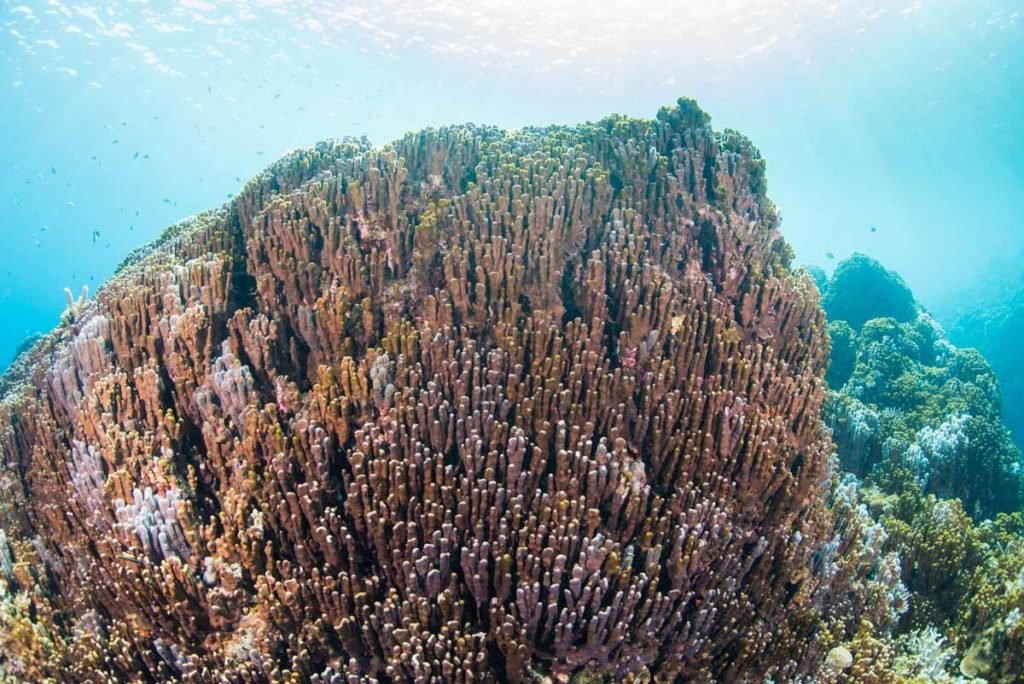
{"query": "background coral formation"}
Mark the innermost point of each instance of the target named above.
(909, 406)
(474, 406)
(997, 330)
(919, 421)
(862, 289)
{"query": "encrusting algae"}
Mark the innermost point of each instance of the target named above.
(473, 406)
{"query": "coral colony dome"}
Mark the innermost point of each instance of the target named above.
(475, 405)
(524, 404)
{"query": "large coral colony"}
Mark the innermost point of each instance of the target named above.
(536, 406)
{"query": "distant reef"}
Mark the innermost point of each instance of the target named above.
(997, 330)
(918, 420)
(473, 406)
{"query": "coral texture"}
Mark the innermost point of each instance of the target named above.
(473, 406)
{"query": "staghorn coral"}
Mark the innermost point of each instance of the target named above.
(473, 406)
(926, 656)
(74, 307)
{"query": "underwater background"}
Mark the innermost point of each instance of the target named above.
(893, 134)
(890, 128)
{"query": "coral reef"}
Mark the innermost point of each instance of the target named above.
(21, 364)
(473, 406)
(862, 289)
(908, 404)
(919, 421)
(996, 330)
(992, 621)
(843, 357)
(965, 583)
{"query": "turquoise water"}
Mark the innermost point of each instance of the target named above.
(397, 464)
(891, 128)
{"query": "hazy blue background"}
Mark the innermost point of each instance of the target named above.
(123, 117)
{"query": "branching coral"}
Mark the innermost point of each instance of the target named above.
(993, 620)
(473, 406)
(75, 307)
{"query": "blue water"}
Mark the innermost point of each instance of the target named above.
(892, 128)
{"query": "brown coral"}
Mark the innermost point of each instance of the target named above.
(474, 406)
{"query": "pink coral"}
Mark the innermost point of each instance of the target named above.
(332, 481)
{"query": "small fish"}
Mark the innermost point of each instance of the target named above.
(53, 170)
(114, 141)
(71, 204)
(95, 235)
(167, 200)
(874, 229)
(136, 156)
(830, 255)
